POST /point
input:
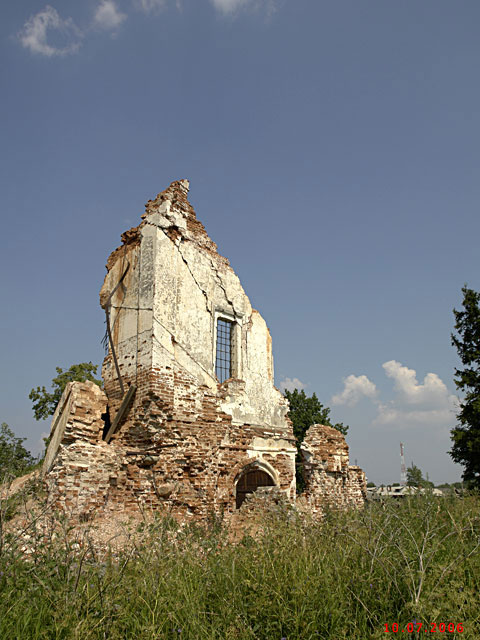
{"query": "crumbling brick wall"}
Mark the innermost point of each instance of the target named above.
(79, 465)
(185, 438)
(329, 479)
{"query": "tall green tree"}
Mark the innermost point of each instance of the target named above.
(45, 402)
(466, 435)
(14, 458)
(305, 411)
(415, 477)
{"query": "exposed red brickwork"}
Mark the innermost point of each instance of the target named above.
(185, 439)
(177, 194)
(330, 480)
(167, 455)
(130, 238)
(79, 481)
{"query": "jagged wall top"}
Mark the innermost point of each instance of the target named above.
(172, 211)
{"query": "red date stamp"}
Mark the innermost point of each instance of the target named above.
(433, 627)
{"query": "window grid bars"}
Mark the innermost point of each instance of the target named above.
(223, 361)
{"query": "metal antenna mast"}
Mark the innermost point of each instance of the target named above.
(403, 470)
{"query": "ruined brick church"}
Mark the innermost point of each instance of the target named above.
(189, 420)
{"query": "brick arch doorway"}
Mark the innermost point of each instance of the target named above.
(249, 482)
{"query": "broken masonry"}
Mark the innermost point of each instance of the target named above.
(189, 420)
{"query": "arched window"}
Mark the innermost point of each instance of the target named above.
(249, 482)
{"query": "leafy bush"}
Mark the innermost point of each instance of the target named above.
(45, 402)
(15, 460)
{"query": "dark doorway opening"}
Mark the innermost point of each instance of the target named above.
(249, 482)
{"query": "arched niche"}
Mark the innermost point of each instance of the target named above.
(250, 479)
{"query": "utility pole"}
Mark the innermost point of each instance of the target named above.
(403, 470)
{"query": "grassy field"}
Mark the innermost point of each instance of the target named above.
(407, 562)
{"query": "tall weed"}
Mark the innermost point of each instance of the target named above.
(342, 578)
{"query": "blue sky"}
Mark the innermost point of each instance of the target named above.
(333, 154)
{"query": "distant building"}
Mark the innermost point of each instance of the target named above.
(390, 491)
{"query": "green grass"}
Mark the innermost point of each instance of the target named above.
(342, 578)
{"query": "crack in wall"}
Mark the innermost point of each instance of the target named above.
(114, 306)
(199, 434)
(218, 277)
(221, 285)
(193, 277)
(181, 347)
(248, 327)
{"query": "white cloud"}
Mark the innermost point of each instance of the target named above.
(433, 391)
(151, 6)
(34, 33)
(290, 384)
(397, 417)
(414, 405)
(355, 387)
(229, 7)
(107, 16)
(417, 405)
(47, 34)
